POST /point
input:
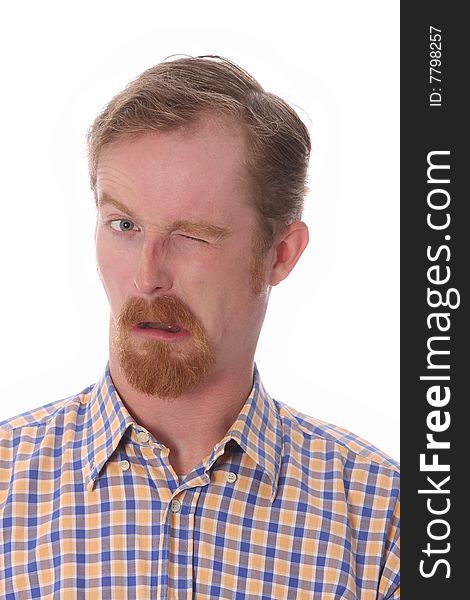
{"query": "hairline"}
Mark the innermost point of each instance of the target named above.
(225, 116)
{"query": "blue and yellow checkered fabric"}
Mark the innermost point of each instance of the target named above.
(284, 507)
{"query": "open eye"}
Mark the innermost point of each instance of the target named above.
(122, 225)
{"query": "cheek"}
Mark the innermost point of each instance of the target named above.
(114, 272)
(222, 293)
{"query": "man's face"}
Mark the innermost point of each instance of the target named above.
(174, 243)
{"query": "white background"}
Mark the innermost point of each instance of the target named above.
(330, 342)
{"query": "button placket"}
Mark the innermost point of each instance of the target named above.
(231, 477)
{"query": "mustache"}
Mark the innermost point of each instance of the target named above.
(163, 309)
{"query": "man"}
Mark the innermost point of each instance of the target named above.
(177, 475)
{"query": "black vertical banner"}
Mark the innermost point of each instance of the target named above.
(435, 257)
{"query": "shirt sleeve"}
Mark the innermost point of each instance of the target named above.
(395, 595)
(389, 584)
(6, 462)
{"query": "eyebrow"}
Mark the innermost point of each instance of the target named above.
(196, 228)
(104, 199)
(200, 228)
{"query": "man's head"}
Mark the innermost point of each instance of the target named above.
(176, 93)
(199, 178)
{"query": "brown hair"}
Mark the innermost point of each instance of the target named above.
(176, 92)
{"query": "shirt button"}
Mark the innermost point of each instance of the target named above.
(125, 465)
(143, 437)
(231, 477)
(175, 506)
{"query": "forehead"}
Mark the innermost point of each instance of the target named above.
(195, 168)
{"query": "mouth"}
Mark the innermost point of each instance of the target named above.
(160, 331)
(162, 326)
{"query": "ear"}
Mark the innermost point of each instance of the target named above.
(287, 250)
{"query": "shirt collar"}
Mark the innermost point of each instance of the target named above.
(257, 429)
(106, 423)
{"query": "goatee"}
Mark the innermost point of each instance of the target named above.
(156, 367)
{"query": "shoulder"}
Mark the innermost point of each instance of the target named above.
(312, 436)
(46, 429)
(41, 416)
(22, 434)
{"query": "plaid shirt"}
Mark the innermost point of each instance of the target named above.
(284, 507)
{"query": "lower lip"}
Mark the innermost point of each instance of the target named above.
(160, 334)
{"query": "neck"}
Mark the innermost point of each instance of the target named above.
(192, 424)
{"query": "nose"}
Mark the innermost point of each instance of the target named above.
(152, 273)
